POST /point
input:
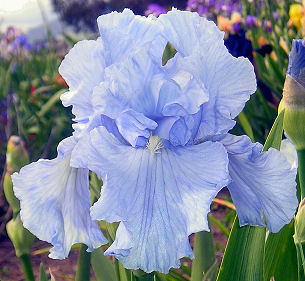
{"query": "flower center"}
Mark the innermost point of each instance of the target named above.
(154, 144)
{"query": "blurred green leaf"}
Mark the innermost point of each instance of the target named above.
(102, 266)
(274, 138)
(50, 103)
(72, 40)
(220, 226)
(42, 273)
(243, 120)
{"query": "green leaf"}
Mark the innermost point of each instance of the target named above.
(204, 255)
(187, 270)
(244, 254)
(42, 274)
(102, 266)
(125, 274)
(169, 52)
(244, 122)
(50, 103)
(69, 38)
(274, 138)
(83, 264)
(219, 225)
(243, 258)
(280, 259)
(175, 275)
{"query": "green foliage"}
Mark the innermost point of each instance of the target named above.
(102, 266)
(280, 260)
(205, 260)
(42, 273)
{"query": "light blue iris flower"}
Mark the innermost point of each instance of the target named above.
(158, 137)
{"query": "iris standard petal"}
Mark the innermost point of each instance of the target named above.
(160, 196)
(122, 33)
(228, 81)
(263, 184)
(55, 203)
(187, 31)
(83, 69)
(157, 93)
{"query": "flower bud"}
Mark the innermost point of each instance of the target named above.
(16, 155)
(9, 194)
(299, 235)
(16, 158)
(293, 100)
(21, 238)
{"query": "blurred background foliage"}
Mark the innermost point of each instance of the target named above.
(30, 85)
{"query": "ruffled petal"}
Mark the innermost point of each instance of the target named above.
(156, 93)
(229, 81)
(159, 198)
(123, 33)
(55, 203)
(83, 69)
(187, 31)
(263, 184)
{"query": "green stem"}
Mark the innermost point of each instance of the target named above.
(301, 164)
(27, 267)
(83, 265)
(300, 256)
(204, 255)
(300, 246)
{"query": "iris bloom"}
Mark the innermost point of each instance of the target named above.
(158, 137)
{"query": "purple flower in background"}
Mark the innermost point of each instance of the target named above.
(211, 8)
(267, 25)
(251, 21)
(155, 9)
(237, 26)
(192, 5)
(21, 42)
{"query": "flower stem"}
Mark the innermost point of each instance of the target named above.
(27, 267)
(301, 164)
(83, 265)
(301, 246)
(300, 256)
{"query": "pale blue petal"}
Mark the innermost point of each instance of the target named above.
(227, 80)
(263, 184)
(289, 151)
(155, 93)
(83, 69)
(55, 203)
(187, 31)
(160, 199)
(122, 33)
